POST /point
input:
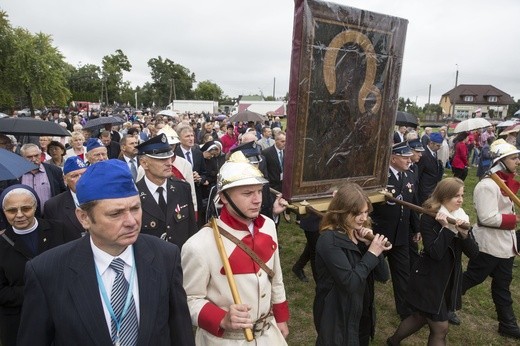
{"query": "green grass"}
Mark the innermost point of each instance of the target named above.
(479, 325)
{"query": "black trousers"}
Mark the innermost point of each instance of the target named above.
(399, 262)
(460, 173)
(309, 252)
(499, 269)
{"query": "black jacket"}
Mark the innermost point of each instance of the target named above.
(430, 171)
(63, 209)
(274, 170)
(396, 222)
(437, 275)
(12, 268)
(344, 289)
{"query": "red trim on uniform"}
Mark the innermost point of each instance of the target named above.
(178, 173)
(508, 221)
(281, 312)
(262, 244)
(210, 317)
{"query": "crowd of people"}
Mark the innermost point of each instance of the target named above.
(123, 235)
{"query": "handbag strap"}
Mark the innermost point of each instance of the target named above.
(248, 251)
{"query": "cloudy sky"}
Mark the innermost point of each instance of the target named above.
(243, 45)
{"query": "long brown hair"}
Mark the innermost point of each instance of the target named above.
(347, 203)
(445, 190)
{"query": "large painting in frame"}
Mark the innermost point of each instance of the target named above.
(343, 94)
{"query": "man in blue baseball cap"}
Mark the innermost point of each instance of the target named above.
(398, 223)
(114, 286)
(96, 151)
(63, 206)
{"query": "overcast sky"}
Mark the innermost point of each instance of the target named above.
(242, 45)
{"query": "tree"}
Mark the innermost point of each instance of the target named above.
(208, 90)
(85, 83)
(6, 50)
(170, 81)
(512, 109)
(36, 70)
(432, 108)
(112, 74)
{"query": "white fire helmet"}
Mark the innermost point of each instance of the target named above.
(500, 149)
(171, 135)
(237, 171)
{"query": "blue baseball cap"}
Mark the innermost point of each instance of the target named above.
(94, 143)
(105, 180)
(436, 137)
(73, 163)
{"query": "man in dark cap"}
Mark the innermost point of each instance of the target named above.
(167, 203)
(397, 223)
(63, 206)
(113, 286)
(430, 169)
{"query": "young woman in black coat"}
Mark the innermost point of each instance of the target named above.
(343, 306)
(435, 281)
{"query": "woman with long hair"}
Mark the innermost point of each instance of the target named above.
(435, 282)
(344, 303)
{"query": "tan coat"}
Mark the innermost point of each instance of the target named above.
(209, 296)
(492, 209)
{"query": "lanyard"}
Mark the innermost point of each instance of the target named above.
(104, 295)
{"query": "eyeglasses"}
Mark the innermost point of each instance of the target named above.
(25, 209)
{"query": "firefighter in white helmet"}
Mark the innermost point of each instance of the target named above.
(265, 310)
(496, 236)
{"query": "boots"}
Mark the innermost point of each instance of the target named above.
(507, 322)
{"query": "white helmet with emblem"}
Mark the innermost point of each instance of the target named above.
(500, 149)
(238, 171)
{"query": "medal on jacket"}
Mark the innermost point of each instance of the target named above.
(178, 211)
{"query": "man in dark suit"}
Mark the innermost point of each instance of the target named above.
(274, 161)
(47, 180)
(129, 153)
(398, 223)
(113, 147)
(167, 204)
(430, 169)
(189, 151)
(90, 291)
(399, 135)
(63, 206)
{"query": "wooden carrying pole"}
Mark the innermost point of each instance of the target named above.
(229, 274)
(506, 189)
(422, 210)
(315, 211)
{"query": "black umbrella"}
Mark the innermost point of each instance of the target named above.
(246, 116)
(406, 119)
(101, 122)
(13, 166)
(30, 126)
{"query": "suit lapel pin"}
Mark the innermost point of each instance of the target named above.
(178, 211)
(152, 224)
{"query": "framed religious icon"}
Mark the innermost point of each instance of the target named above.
(343, 94)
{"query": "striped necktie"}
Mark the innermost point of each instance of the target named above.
(129, 325)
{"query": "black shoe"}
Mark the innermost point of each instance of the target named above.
(300, 274)
(453, 318)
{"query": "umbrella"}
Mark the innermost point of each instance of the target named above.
(246, 116)
(517, 113)
(101, 122)
(30, 126)
(507, 123)
(221, 117)
(511, 129)
(13, 166)
(168, 113)
(471, 124)
(406, 119)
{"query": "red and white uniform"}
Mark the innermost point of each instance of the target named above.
(209, 295)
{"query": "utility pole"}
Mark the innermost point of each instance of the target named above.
(274, 88)
(456, 83)
(429, 93)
